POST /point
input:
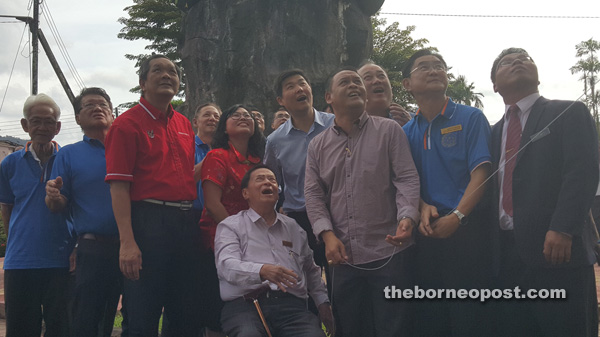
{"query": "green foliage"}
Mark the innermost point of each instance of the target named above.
(2, 240)
(393, 46)
(158, 21)
(589, 66)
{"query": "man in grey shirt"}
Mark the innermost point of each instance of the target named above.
(362, 196)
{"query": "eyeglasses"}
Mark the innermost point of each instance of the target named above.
(427, 67)
(91, 106)
(508, 62)
(257, 115)
(237, 116)
(280, 116)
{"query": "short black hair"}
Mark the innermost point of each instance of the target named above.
(329, 82)
(411, 61)
(278, 85)
(246, 178)
(89, 91)
(505, 52)
(204, 105)
(145, 66)
(256, 143)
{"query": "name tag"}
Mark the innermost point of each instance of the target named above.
(287, 243)
(451, 129)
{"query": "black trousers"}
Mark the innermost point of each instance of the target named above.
(98, 285)
(169, 241)
(32, 295)
(577, 315)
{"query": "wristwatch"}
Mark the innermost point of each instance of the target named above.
(460, 217)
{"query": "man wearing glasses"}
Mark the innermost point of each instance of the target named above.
(449, 144)
(547, 155)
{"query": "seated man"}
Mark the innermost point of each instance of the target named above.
(280, 278)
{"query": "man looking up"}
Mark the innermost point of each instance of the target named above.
(453, 165)
(362, 198)
(149, 165)
(379, 94)
(285, 153)
(282, 278)
(205, 121)
(547, 152)
(280, 117)
(78, 185)
(36, 265)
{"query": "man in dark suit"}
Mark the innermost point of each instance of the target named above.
(547, 156)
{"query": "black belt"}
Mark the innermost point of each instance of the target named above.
(184, 205)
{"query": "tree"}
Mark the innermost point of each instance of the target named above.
(462, 92)
(158, 21)
(589, 66)
(393, 46)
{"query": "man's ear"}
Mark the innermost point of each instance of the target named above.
(406, 84)
(279, 101)
(245, 194)
(25, 125)
(328, 97)
(58, 125)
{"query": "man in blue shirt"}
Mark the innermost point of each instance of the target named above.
(449, 144)
(205, 121)
(285, 152)
(78, 187)
(36, 266)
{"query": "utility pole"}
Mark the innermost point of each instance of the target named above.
(34, 26)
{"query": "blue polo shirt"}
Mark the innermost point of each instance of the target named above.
(82, 166)
(201, 151)
(37, 238)
(285, 155)
(447, 150)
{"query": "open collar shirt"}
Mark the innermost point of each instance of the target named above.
(245, 242)
(285, 155)
(360, 185)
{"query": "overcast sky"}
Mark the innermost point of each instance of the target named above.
(469, 44)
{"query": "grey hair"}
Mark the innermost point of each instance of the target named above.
(40, 99)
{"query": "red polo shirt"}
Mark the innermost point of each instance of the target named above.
(154, 152)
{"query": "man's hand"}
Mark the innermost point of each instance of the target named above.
(445, 226)
(130, 260)
(73, 260)
(398, 114)
(334, 248)
(53, 188)
(403, 232)
(429, 214)
(326, 316)
(557, 247)
(278, 275)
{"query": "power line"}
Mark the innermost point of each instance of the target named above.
(13, 68)
(496, 16)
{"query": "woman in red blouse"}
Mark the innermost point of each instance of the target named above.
(237, 146)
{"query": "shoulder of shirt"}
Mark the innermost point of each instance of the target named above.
(277, 134)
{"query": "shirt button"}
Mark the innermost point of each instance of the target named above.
(350, 217)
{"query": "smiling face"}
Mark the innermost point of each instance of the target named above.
(162, 80)
(260, 119)
(41, 124)
(95, 113)
(428, 75)
(379, 89)
(347, 94)
(240, 124)
(206, 120)
(262, 188)
(296, 95)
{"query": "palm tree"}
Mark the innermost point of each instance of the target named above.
(589, 66)
(463, 92)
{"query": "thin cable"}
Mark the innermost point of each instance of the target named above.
(13, 67)
(495, 16)
(61, 45)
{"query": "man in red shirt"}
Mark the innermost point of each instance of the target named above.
(149, 165)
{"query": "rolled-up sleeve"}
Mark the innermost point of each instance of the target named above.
(228, 258)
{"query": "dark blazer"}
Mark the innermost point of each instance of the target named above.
(554, 181)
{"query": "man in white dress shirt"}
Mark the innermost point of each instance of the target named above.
(281, 277)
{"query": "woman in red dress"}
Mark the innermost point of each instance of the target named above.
(237, 146)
